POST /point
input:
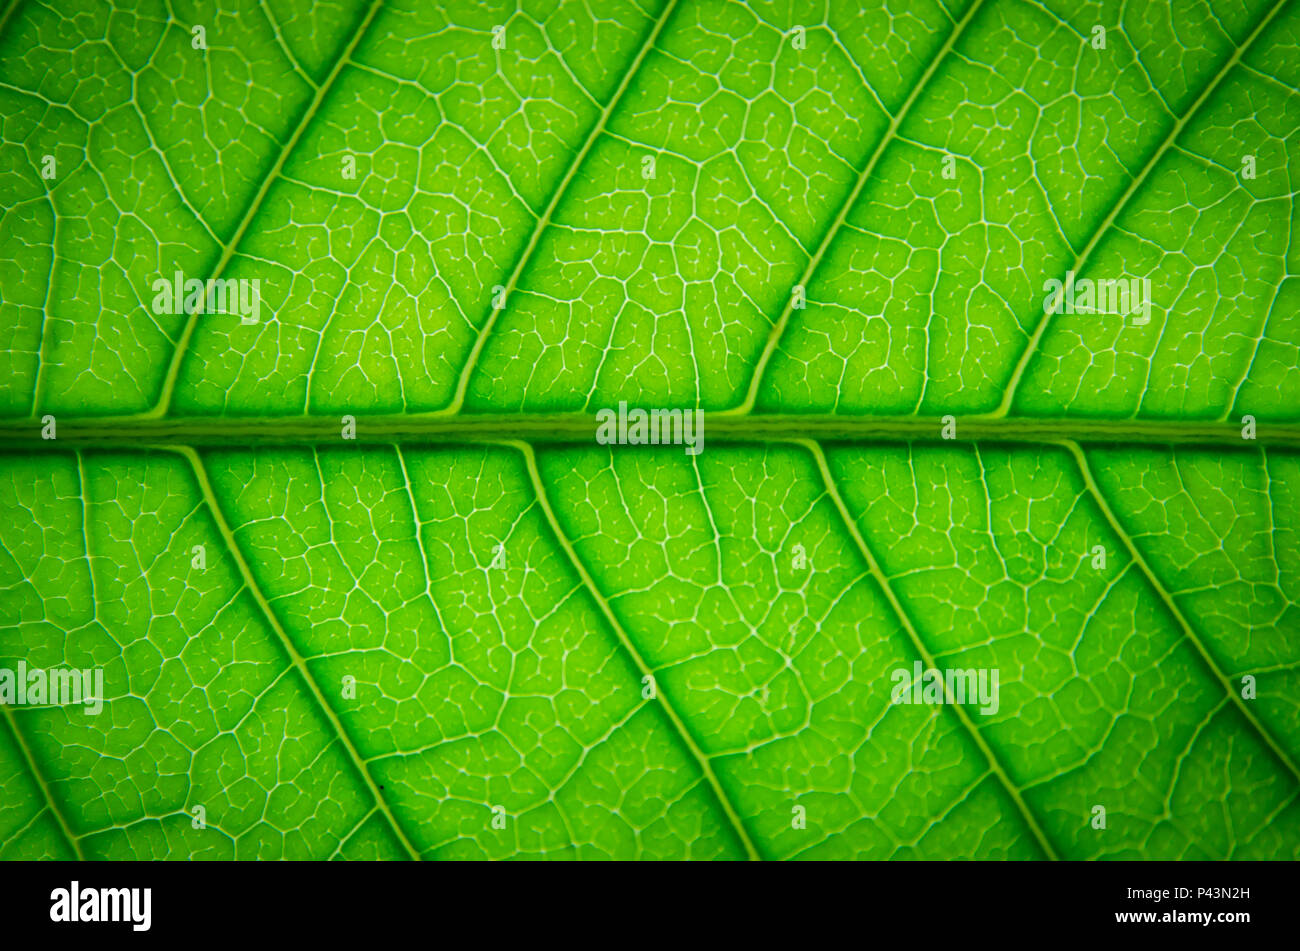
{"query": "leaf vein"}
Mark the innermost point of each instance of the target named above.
(1081, 259)
(1171, 605)
(168, 389)
(286, 642)
(1014, 792)
(544, 222)
(778, 329)
(30, 761)
(701, 759)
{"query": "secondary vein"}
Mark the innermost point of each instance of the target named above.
(165, 395)
(544, 222)
(1171, 605)
(701, 758)
(1009, 393)
(295, 658)
(30, 761)
(778, 329)
(995, 765)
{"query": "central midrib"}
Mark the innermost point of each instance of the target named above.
(138, 432)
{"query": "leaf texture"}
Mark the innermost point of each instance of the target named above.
(476, 632)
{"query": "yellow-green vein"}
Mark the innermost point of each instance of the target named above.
(706, 767)
(1172, 606)
(165, 395)
(544, 222)
(1081, 259)
(295, 658)
(39, 778)
(778, 329)
(920, 647)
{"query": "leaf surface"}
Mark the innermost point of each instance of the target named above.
(475, 632)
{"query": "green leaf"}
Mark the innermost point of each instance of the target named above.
(474, 630)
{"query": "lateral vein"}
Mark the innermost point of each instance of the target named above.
(778, 329)
(1081, 259)
(919, 646)
(30, 761)
(163, 403)
(701, 759)
(544, 222)
(1171, 605)
(295, 658)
